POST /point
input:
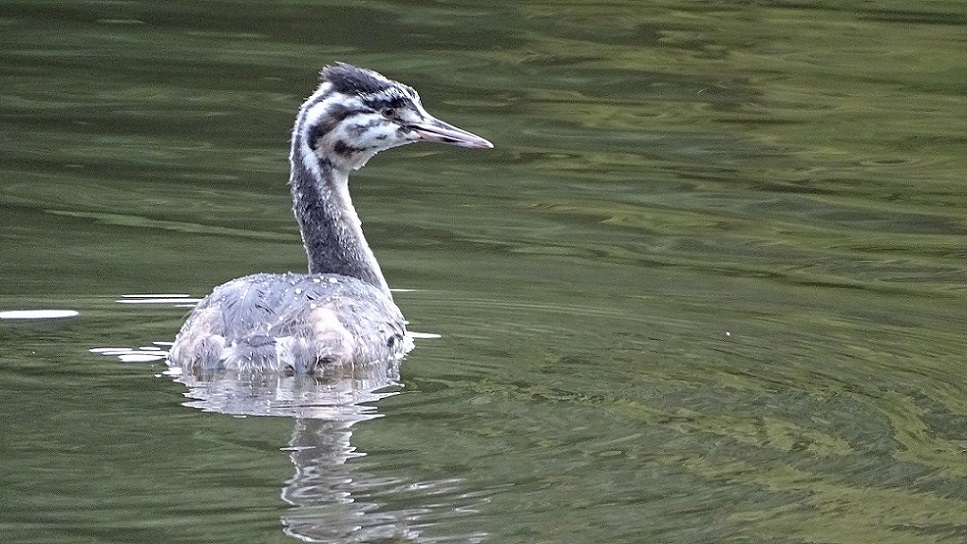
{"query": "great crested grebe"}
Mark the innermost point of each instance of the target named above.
(342, 311)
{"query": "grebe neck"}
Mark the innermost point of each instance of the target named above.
(331, 230)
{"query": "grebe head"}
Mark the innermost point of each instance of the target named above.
(357, 113)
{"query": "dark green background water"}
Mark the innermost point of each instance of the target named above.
(708, 287)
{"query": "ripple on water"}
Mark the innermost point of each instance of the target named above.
(38, 314)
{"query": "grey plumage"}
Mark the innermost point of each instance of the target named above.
(290, 323)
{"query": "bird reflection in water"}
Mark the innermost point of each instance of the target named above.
(332, 499)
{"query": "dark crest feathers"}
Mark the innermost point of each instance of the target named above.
(348, 79)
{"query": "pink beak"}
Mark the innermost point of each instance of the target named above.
(435, 130)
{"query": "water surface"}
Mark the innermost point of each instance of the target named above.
(708, 287)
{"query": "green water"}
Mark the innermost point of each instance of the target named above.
(710, 286)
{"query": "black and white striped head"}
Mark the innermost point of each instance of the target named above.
(356, 113)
